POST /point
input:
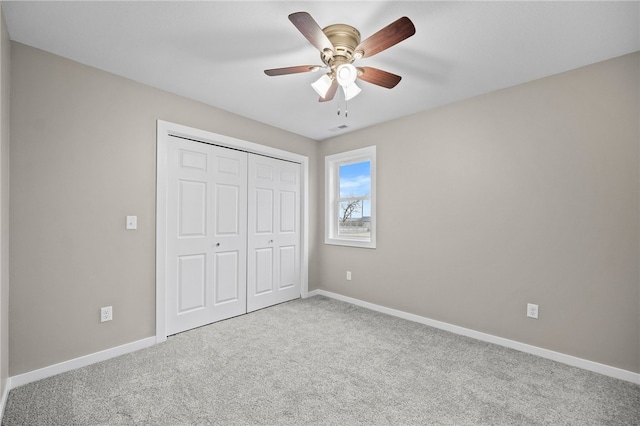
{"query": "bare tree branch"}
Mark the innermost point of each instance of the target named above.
(350, 209)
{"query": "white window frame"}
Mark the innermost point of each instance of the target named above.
(332, 165)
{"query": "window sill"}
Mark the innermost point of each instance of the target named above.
(350, 243)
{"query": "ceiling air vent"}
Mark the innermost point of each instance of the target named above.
(335, 129)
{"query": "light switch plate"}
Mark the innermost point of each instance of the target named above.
(132, 222)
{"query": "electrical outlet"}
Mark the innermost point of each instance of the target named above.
(348, 275)
(532, 310)
(132, 222)
(106, 314)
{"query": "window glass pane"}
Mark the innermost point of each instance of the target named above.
(350, 199)
(354, 219)
(355, 180)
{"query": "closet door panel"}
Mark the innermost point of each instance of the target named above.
(230, 233)
(191, 283)
(288, 268)
(274, 232)
(206, 229)
(263, 271)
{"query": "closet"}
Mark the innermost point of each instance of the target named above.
(233, 233)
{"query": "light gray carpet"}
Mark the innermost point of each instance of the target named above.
(320, 361)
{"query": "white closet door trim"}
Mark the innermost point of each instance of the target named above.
(167, 129)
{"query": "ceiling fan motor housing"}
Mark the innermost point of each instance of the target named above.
(344, 39)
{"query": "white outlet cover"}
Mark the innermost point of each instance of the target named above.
(132, 222)
(532, 310)
(106, 314)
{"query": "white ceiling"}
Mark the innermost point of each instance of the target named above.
(215, 51)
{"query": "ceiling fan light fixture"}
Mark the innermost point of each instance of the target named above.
(350, 91)
(346, 74)
(322, 85)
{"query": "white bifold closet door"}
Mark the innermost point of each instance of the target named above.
(208, 243)
(273, 272)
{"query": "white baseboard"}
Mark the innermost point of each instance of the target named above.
(63, 367)
(83, 361)
(52, 370)
(607, 370)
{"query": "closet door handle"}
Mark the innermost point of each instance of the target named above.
(217, 244)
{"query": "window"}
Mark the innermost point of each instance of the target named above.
(350, 189)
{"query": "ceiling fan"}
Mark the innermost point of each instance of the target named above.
(339, 47)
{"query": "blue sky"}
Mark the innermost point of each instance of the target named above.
(355, 181)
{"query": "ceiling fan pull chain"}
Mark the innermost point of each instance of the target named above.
(344, 96)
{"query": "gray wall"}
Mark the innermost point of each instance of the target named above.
(83, 154)
(5, 83)
(528, 194)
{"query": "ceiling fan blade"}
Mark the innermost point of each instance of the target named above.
(378, 77)
(390, 35)
(331, 92)
(292, 70)
(311, 30)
